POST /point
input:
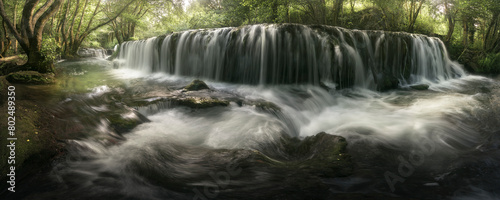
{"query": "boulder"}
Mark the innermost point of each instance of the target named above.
(420, 87)
(196, 85)
(387, 82)
(31, 77)
(125, 122)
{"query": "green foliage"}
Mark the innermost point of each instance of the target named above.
(49, 49)
(23, 57)
(490, 64)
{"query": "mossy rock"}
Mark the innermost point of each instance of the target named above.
(322, 154)
(122, 124)
(420, 87)
(193, 102)
(31, 77)
(196, 85)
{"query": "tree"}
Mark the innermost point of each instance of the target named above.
(315, 10)
(449, 13)
(491, 40)
(4, 41)
(31, 29)
(338, 7)
(392, 14)
(72, 31)
(124, 26)
(415, 7)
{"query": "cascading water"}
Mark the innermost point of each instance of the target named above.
(91, 52)
(265, 141)
(282, 54)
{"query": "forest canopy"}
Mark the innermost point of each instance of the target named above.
(58, 28)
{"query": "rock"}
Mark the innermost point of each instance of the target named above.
(116, 64)
(123, 124)
(109, 52)
(387, 82)
(265, 105)
(324, 86)
(194, 102)
(322, 154)
(420, 87)
(31, 77)
(196, 85)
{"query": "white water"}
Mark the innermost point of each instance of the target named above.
(179, 142)
(276, 54)
(179, 145)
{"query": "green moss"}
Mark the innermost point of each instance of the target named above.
(34, 144)
(31, 77)
(196, 85)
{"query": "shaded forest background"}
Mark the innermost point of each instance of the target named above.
(41, 31)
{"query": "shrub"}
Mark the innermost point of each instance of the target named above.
(50, 49)
(490, 64)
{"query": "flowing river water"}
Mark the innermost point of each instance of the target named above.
(284, 85)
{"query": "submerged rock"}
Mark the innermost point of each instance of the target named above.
(31, 77)
(125, 122)
(322, 154)
(420, 87)
(196, 85)
(264, 105)
(387, 82)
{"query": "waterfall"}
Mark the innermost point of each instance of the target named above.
(92, 52)
(291, 54)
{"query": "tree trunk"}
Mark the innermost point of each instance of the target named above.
(465, 40)
(487, 42)
(5, 41)
(78, 39)
(287, 7)
(36, 61)
(15, 26)
(472, 31)
(337, 10)
(414, 11)
(274, 8)
(30, 38)
(451, 22)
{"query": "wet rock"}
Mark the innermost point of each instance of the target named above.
(196, 85)
(116, 64)
(420, 87)
(125, 122)
(196, 102)
(31, 77)
(322, 154)
(324, 86)
(264, 105)
(387, 82)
